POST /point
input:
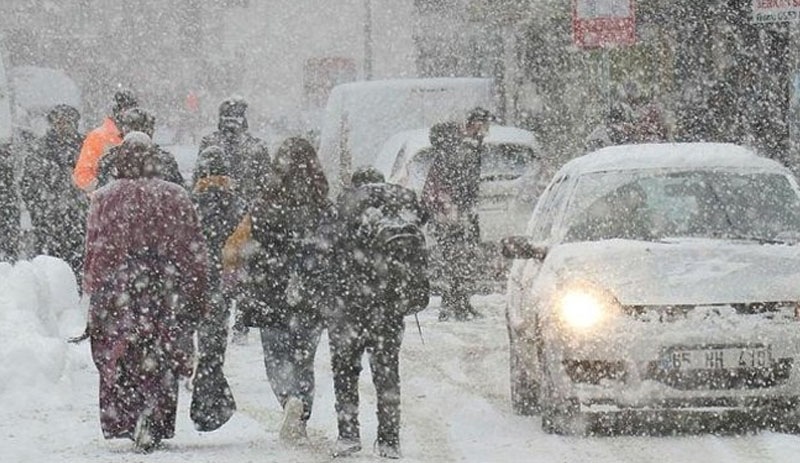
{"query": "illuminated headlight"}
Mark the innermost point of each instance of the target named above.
(584, 307)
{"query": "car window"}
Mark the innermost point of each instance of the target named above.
(399, 161)
(548, 209)
(505, 161)
(695, 204)
(418, 168)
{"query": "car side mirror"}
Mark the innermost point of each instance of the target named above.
(521, 247)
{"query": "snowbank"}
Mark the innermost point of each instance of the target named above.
(39, 309)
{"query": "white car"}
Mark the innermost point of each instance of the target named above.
(510, 175)
(662, 279)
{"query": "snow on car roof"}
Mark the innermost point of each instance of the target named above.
(669, 155)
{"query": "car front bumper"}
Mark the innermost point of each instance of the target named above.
(625, 364)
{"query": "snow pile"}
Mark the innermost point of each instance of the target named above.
(39, 309)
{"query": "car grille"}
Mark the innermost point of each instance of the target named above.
(594, 371)
(738, 378)
(669, 313)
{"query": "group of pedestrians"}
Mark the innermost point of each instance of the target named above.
(165, 262)
(261, 231)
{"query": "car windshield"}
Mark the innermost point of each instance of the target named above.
(757, 206)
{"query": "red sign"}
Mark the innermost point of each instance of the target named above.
(603, 23)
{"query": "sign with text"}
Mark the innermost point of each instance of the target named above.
(770, 11)
(603, 23)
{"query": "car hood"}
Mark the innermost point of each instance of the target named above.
(692, 271)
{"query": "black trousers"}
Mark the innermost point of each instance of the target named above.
(458, 245)
(348, 342)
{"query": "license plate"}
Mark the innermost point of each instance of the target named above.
(721, 358)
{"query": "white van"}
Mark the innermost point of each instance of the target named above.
(360, 116)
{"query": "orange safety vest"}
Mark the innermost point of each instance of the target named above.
(96, 144)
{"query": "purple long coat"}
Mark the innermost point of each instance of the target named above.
(146, 274)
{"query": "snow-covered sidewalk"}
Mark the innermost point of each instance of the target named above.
(454, 388)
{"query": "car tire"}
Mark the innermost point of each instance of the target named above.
(524, 389)
(560, 416)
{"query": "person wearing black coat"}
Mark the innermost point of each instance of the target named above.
(139, 120)
(282, 293)
(450, 195)
(371, 301)
(219, 209)
(57, 209)
(9, 206)
(248, 155)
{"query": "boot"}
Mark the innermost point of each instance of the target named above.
(345, 447)
(293, 428)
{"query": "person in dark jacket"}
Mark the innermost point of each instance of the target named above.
(57, 209)
(248, 155)
(282, 296)
(139, 120)
(450, 195)
(146, 275)
(219, 209)
(9, 206)
(368, 315)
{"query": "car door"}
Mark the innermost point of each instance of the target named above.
(524, 271)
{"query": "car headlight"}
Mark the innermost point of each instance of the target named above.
(582, 306)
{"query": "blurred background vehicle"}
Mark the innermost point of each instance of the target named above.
(360, 116)
(512, 176)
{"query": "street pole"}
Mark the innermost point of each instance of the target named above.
(368, 40)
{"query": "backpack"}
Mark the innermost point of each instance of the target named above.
(388, 231)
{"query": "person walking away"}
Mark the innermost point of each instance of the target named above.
(247, 155)
(143, 242)
(100, 140)
(249, 165)
(9, 206)
(139, 120)
(381, 277)
(219, 209)
(450, 195)
(282, 294)
(57, 209)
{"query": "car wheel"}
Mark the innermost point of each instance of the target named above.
(560, 416)
(524, 389)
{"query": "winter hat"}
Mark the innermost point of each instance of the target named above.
(479, 114)
(124, 99)
(232, 115)
(63, 112)
(137, 120)
(213, 162)
(135, 158)
(235, 106)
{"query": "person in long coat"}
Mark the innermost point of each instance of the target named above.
(57, 209)
(220, 209)
(146, 274)
(283, 288)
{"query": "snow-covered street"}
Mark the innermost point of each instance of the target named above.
(455, 406)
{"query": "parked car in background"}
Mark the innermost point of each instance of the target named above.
(360, 116)
(658, 280)
(510, 174)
